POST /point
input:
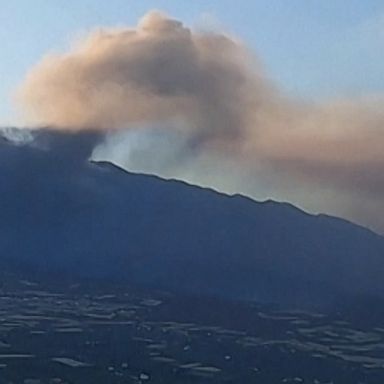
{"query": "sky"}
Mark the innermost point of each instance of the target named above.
(311, 48)
(302, 123)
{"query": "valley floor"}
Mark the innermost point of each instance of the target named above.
(88, 336)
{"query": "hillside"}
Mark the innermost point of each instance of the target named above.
(61, 214)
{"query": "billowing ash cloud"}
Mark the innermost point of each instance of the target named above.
(158, 72)
(198, 106)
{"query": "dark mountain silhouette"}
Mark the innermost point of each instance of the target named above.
(61, 215)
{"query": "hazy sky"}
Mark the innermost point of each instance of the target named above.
(312, 49)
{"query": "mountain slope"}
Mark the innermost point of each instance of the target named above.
(61, 214)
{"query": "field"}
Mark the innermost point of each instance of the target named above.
(96, 335)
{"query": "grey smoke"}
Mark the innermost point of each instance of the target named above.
(199, 106)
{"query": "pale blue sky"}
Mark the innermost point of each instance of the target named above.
(311, 48)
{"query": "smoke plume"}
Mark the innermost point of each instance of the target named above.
(199, 106)
(158, 72)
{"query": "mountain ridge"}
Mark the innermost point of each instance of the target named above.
(64, 215)
(281, 203)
